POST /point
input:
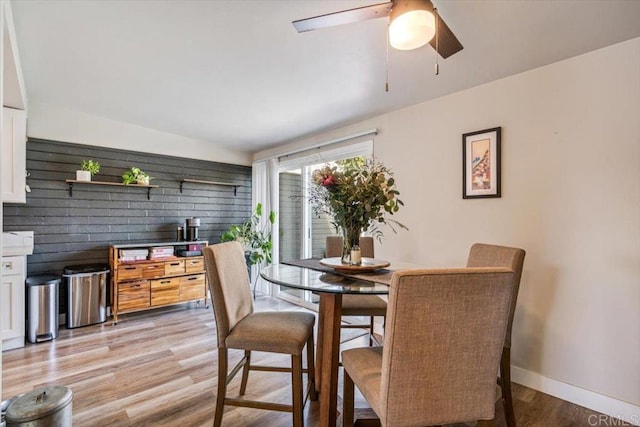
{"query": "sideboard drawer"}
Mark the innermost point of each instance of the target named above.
(134, 295)
(173, 267)
(130, 271)
(192, 287)
(165, 291)
(194, 265)
(150, 271)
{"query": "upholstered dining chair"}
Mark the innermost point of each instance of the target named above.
(444, 373)
(239, 327)
(484, 255)
(358, 305)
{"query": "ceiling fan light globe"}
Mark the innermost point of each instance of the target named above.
(412, 29)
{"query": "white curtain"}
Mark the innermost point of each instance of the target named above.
(262, 191)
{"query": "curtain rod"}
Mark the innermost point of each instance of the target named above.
(325, 143)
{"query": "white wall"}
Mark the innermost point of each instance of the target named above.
(47, 121)
(570, 197)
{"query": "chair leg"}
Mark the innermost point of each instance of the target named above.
(222, 386)
(297, 390)
(371, 321)
(311, 370)
(507, 397)
(347, 401)
(245, 372)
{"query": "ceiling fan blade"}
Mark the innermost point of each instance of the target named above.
(448, 43)
(343, 17)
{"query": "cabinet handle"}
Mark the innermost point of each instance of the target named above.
(129, 268)
(7, 265)
(165, 281)
(192, 278)
(174, 263)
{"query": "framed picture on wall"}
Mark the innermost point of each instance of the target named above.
(481, 164)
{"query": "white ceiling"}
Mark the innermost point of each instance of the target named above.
(236, 73)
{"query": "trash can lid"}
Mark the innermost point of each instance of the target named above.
(86, 268)
(43, 279)
(38, 404)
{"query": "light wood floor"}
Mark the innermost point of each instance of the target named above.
(159, 369)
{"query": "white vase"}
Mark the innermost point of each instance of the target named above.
(143, 180)
(83, 176)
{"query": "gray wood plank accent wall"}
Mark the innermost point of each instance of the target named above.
(79, 229)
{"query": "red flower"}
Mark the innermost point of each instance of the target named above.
(328, 181)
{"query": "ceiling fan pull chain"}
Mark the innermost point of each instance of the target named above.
(386, 84)
(437, 67)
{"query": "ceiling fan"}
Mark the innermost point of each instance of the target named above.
(413, 23)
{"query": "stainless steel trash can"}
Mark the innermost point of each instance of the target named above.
(42, 307)
(86, 294)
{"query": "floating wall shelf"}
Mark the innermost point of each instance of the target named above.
(114, 184)
(198, 181)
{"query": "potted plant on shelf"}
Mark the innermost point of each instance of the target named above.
(88, 168)
(254, 238)
(135, 175)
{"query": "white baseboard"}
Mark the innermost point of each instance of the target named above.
(604, 404)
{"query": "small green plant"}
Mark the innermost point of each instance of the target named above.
(135, 175)
(90, 166)
(255, 240)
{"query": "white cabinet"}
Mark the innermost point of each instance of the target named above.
(12, 312)
(14, 155)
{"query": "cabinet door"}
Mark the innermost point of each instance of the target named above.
(12, 290)
(14, 153)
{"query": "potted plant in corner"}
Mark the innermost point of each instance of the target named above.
(255, 240)
(135, 175)
(88, 168)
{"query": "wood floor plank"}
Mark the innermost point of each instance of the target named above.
(159, 368)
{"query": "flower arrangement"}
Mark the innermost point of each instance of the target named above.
(358, 194)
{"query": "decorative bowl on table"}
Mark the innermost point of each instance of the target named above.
(367, 265)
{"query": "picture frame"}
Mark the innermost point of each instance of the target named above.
(481, 164)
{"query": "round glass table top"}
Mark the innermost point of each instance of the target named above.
(320, 281)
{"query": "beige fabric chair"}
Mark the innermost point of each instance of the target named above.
(358, 305)
(483, 255)
(239, 327)
(444, 373)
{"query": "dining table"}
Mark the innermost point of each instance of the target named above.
(330, 284)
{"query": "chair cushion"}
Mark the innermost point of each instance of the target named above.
(364, 366)
(363, 305)
(273, 331)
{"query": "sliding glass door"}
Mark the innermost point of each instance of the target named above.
(302, 232)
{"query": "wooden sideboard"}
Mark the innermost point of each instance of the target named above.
(151, 283)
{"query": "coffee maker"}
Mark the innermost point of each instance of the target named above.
(192, 229)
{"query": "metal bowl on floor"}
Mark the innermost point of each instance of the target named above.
(3, 406)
